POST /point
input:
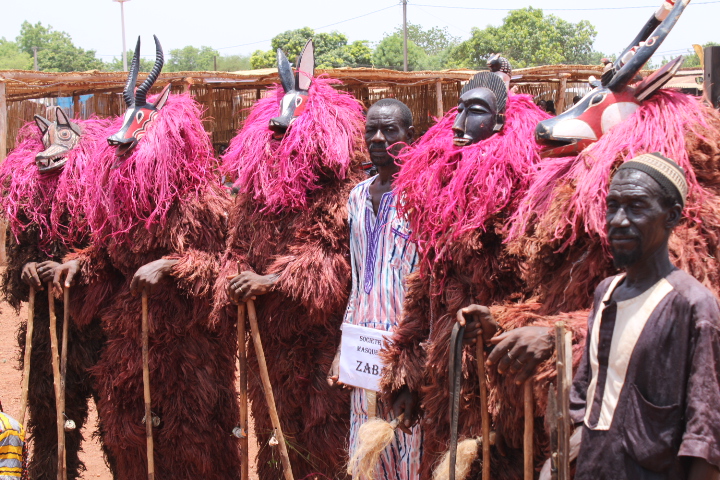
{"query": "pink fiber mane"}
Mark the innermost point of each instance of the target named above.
(173, 159)
(659, 125)
(49, 201)
(448, 191)
(321, 143)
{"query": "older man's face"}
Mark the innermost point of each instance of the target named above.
(384, 128)
(636, 221)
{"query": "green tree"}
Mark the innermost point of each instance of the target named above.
(191, 59)
(233, 63)
(331, 49)
(389, 54)
(12, 58)
(528, 38)
(56, 51)
(433, 41)
(116, 64)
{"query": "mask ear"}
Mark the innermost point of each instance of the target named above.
(654, 82)
(160, 102)
(285, 71)
(61, 118)
(42, 123)
(305, 66)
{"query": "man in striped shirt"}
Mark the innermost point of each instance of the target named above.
(12, 448)
(382, 255)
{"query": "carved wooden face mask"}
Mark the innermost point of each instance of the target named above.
(140, 114)
(58, 138)
(613, 99)
(296, 86)
(481, 109)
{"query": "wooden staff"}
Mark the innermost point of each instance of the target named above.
(528, 449)
(371, 397)
(63, 360)
(564, 378)
(61, 473)
(28, 351)
(480, 354)
(267, 387)
(146, 387)
(242, 355)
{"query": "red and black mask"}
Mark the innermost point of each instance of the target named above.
(614, 98)
(140, 114)
(58, 138)
(296, 86)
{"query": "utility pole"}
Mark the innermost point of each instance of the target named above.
(35, 66)
(122, 22)
(405, 60)
(215, 63)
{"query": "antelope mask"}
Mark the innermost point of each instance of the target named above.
(296, 86)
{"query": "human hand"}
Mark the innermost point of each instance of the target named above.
(406, 404)
(68, 271)
(521, 350)
(477, 321)
(46, 270)
(333, 376)
(247, 285)
(30, 276)
(149, 275)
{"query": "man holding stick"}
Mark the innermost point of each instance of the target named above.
(648, 387)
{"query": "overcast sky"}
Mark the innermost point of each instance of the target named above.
(240, 27)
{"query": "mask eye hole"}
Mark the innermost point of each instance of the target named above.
(64, 134)
(597, 99)
(139, 116)
(298, 101)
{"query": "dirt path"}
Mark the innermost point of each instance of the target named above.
(10, 386)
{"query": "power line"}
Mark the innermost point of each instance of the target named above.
(553, 9)
(317, 28)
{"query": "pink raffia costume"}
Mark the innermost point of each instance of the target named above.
(290, 219)
(44, 218)
(151, 192)
(458, 197)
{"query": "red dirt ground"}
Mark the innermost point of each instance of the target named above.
(10, 386)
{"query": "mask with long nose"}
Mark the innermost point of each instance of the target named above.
(613, 99)
(481, 109)
(58, 138)
(140, 114)
(296, 86)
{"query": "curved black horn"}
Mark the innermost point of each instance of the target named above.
(628, 71)
(141, 95)
(128, 93)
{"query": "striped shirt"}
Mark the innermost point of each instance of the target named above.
(12, 441)
(382, 256)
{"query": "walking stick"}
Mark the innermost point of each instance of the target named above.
(561, 458)
(267, 387)
(528, 449)
(242, 355)
(146, 388)
(480, 354)
(28, 351)
(61, 473)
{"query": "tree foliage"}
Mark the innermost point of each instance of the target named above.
(56, 51)
(692, 60)
(389, 54)
(12, 58)
(331, 49)
(191, 59)
(116, 64)
(528, 38)
(433, 40)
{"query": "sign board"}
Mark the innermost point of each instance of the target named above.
(360, 364)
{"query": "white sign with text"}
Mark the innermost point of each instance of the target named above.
(360, 364)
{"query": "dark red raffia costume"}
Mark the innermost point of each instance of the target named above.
(458, 199)
(290, 218)
(163, 201)
(42, 226)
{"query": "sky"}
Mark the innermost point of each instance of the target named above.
(240, 27)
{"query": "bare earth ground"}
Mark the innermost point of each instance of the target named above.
(10, 386)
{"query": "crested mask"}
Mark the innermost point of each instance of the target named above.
(481, 109)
